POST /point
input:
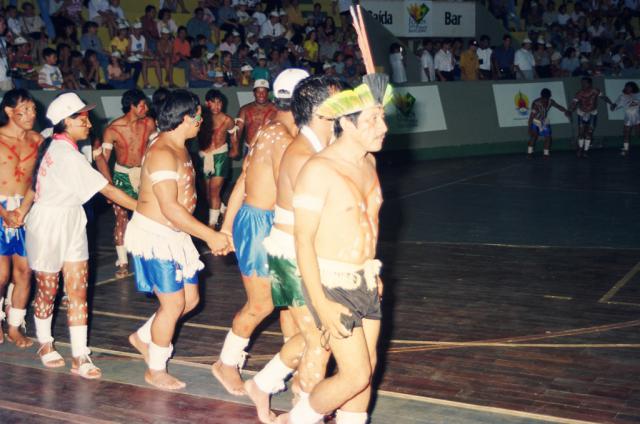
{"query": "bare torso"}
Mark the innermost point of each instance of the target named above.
(348, 229)
(129, 139)
(587, 99)
(17, 159)
(255, 115)
(262, 164)
(147, 202)
(222, 123)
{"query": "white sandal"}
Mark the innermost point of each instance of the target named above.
(50, 357)
(85, 369)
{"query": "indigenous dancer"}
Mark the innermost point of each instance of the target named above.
(630, 101)
(255, 114)
(18, 151)
(336, 203)
(158, 236)
(539, 124)
(286, 286)
(250, 216)
(586, 103)
(56, 236)
(128, 135)
(214, 150)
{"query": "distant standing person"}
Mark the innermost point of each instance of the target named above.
(539, 124)
(503, 58)
(398, 72)
(629, 100)
(585, 103)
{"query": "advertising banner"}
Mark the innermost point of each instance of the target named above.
(414, 18)
(513, 102)
(415, 109)
(613, 89)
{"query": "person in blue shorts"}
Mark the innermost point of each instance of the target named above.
(539, 124)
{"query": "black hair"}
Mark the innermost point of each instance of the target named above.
(11, 99)
(48, 51)
(214, 94)
(337, 128)
(87, 25)
(182, 28)
(157, 99)
(505, 37)
(197, 51)
(198, 9)
(633, 85)
(546, 93)
(588, 80)
(309, 94)
(27, 4)
(178, 104)
(201, 37)
(149, 8)
(206, 128)
(131, 98)
(283, 105)
(163, 12)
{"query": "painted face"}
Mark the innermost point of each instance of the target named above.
(24, 114)
(371, 129)
(215, 106)
(195, 123)
(142, 109)
(261, 94)
(78, 128)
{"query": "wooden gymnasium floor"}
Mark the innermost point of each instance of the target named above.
(512, 296)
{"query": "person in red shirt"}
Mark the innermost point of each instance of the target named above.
(181, 53)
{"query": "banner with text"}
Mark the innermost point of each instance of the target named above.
(411, 18)
(414, 110)
(513, 102)
(613, 89)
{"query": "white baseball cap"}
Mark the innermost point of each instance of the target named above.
(275, 14)
(64, 106)
(286, 82)
(123, 25)
(137, 25)
(261, 83)
(327, 65)
(246, 68)
(526, 40)
(19, 41)
(219, 74)
(165, 30)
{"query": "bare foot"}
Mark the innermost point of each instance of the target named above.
(229, 377)
(122, 271)
(14, 335)
(282, 419)
(162, 380)
(53, 360)
(262, 402)
(140, 346)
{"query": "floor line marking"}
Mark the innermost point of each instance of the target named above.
(520, 346)
(611, 302)
(528, 187)
(111, 280)
(620, 284)
(396, 395)
(482, 174)
(51, 413)
(516, 246)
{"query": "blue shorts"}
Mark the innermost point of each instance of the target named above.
(250, 227)
(12, 240)
(163, 275)
(545, 131)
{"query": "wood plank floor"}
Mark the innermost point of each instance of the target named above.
(502, 290)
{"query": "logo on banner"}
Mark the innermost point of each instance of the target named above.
(404, 104)
(417, 13)
(522, 103)
(384, 17)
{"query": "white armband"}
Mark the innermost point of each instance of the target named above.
(159, 176)
(107, 146)
(238, 120)
(233, 130)
(96, 153)
(310, 203)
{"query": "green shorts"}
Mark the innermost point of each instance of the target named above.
(215, 164)
(286, 284)
(122, 181)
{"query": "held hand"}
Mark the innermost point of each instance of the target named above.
(330, 314)
(568, 114)
(612, 107)
(12, 219)
(217, 242)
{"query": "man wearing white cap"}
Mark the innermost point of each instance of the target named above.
(272, 29)
(523, 62)
(255, 114)
(18, 151)
(128, 136)
(56, 237)
(139, 53)
(248, 221)
(303, 351)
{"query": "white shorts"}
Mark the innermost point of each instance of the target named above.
(55, 235)
(632, 117)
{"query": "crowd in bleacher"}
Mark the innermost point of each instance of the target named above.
(94, 44)
(558, 39)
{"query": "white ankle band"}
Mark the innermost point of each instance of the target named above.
(233, 350)
(78, 335)
(303, 413)
(214, 214)
(43, 329)
(16, 317)
(144, 332)
(2, 314)
(271, 378)
(158, 356)
(122, 255)
(346, 417)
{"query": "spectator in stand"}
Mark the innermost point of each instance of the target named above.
(100, 13)
(327, 29)
(241, 57)
(198, 77)
(295, 14)
(245, 76)
(244, 18)
(338, 62)
(259, 18)
(443, 62)
(68, 34)
(550, 15)
(228, 43)
(484, 53)
(91, 69)
(252, 42)
(428, 73)
(64, 63)
(182, 52)
(469, 62)
(260, 71)
(209, 47)
(120, 42)
(350, 73)
(227, 70)
(165, 21)
(584, 70)
(165, 55)
(50, 77)
(523, 62)
(5, 80)
(228, 18)
(13, 21)
(503, 58)
(570, 62)
(271, 31)
(116, 76)
(329, 70)
(90, 41)
(585, 44)
(542, 58)
(318, 16)
(78, 77)
(34, 31)
(197, 25)
(150, 27)
(140, 57)
(172, 5)
(327, 48)
(563, 17)
(22, 66)
(311, 50)
(396, 59)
